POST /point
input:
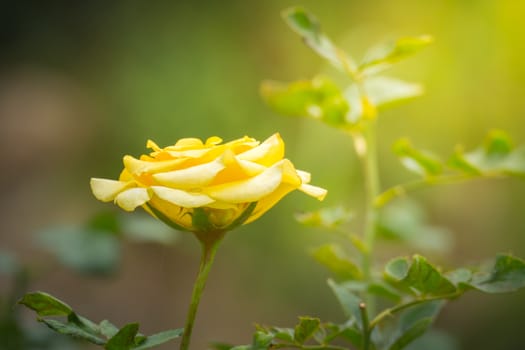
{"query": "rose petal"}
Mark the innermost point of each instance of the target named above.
(214, 140)
(105, 190)
(132, 198)
(290, 175)
(138, 167)
(250, 190)
(314, 191)
(153, 146)
(182, 198)
(305, 176)
(193, 177)
(269, 201)
(267, 153)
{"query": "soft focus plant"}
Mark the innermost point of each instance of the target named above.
(210, 187)
(390, 307)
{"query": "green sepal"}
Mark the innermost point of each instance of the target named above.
(200, 221)
(243, 217)
(159, 215)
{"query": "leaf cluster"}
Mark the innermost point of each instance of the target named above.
(104, 334)
(345, 108)
(411, 290)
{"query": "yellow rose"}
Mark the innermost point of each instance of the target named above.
(209, 186)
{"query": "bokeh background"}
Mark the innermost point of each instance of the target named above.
(83, 83)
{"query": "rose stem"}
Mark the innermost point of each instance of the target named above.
(209, 248)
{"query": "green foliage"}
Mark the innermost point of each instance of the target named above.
(337, 261)
(413, 323)
(104, 334)
(496, 157)
(384, 56)
(405, 221)
(307, 26)
(413, 289)
(94, 248)
(421, 162)
(321, 99)
(329, 218)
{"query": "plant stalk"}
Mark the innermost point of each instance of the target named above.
(365, 145)
(209, 248)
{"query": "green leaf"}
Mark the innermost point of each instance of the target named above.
(378, 288)
(354, 98)
(348, 332)
(319, 99)
(84, 250)
(334, 258)
(414, 322)
(72, 330)
(506, 274)
(330, 218)
(434, 340)
(45, 304)
(405, 220)
(79, 327)
(460, 278)
(383, 91)
(108, 329)
(159, 338)
(124, 339)
(307, 26)
(417, 330)
(286, 334)
(418, 275)
(261, 340)
(421, 162)
(221, 346)
(348, 300)
(383, 56)
(305, 329)
(497, 156)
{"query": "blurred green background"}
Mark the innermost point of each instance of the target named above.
(83, 83)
